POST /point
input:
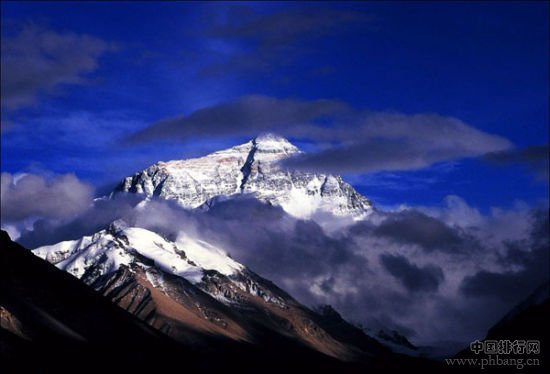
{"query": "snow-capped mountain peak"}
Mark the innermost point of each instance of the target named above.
(249, 168)
(273, 144)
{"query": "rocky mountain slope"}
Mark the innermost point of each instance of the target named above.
(188, 288)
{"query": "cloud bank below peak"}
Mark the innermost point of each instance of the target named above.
(456, 285)
(348, 140)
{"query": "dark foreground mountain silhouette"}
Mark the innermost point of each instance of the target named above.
(524, 322)
(52, 322)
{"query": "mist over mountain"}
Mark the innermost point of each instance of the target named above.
(336, 248)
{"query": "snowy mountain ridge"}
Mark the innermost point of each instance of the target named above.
(106, 251)
(250, 168)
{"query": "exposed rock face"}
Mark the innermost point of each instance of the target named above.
(11, 323)
(395, 337)
(250, 168)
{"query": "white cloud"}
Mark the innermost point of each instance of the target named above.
(27, 196)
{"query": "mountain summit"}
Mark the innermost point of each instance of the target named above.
(249, 168)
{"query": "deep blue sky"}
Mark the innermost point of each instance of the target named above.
(483, 63)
